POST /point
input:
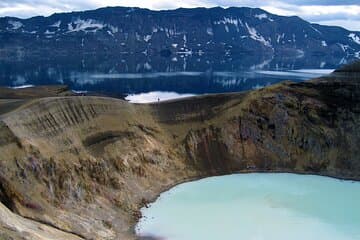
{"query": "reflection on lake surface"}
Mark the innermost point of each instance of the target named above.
(155, 97)
(123, 75)
(256, 206)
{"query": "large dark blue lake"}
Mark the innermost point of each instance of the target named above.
(144, 80)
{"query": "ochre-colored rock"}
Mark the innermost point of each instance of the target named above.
(85, 165)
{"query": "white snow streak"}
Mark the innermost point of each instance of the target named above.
(15, 24)
(256, 36)
(263, 16)
(355, 38)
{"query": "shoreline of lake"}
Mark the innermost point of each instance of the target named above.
(240, 173)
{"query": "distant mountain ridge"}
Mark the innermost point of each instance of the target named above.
(196, 31)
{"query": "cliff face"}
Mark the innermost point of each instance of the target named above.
(308, 127)
(85, 165)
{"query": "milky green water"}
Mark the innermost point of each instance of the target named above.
(256, 206)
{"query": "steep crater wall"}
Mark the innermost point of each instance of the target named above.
(86, 165)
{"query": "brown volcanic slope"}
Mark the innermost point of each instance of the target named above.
(83, 166)
(13, 98)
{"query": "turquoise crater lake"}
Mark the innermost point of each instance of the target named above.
(256, 206)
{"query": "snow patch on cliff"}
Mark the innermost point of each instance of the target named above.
(15, 24)
(263, 16)
(357, 54)
(256, 36)
(230, 21)
(280, 37)
(47, 32)
(56, 24)
(355, 38)
(112, 28)
(147, 38)
(343, 47)
(89, 25)
(315, 29)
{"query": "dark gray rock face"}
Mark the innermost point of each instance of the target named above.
(231, 31)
